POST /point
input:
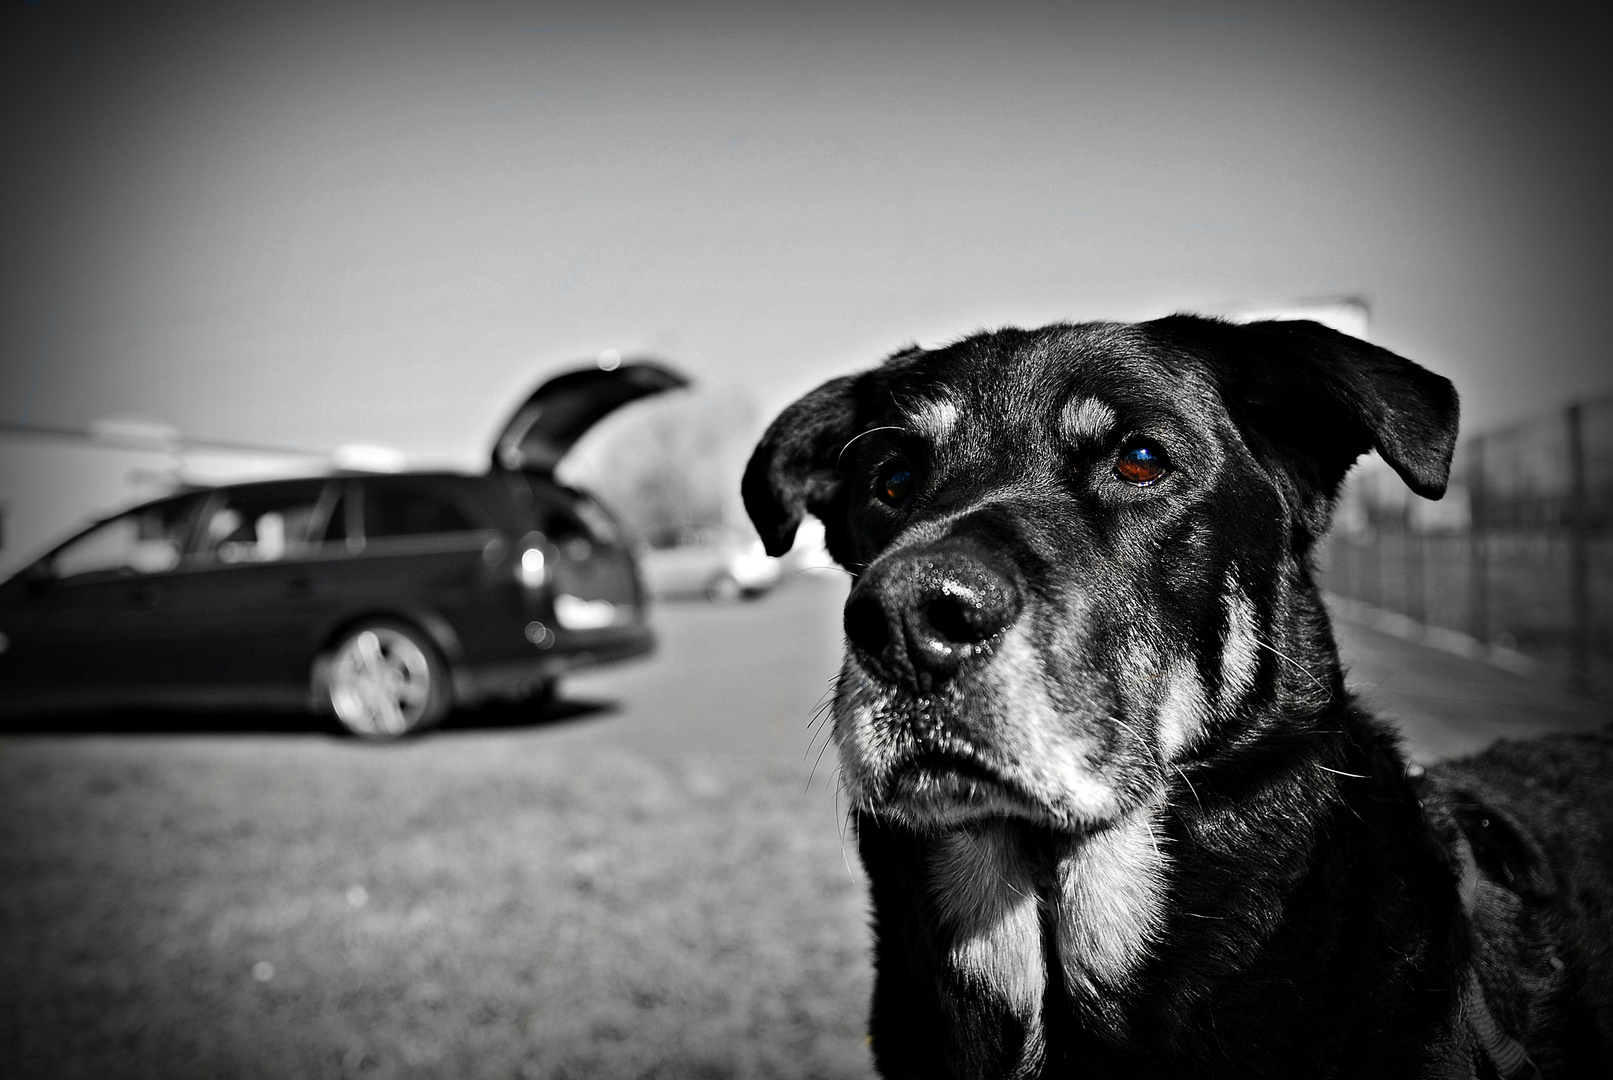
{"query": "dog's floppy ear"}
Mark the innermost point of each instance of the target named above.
(795, 468)
(1326, 398)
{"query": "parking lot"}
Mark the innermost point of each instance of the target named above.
(648, 878)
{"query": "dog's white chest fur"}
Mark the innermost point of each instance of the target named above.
(1004, 932)
(1109, 904)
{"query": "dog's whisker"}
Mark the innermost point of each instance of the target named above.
(825, 701)
(816, 569)
(851, 875)
(840, 825)
(1341, 772)
(1116, 720)
(1153, 840)
(815, 762)
(1009, 885)
(1295, 664)
(1189, 783)
(860, 434)
(811, 742)
(844, 821)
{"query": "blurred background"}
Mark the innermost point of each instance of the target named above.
(256, 240)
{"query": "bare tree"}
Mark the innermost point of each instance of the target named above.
(669, 466)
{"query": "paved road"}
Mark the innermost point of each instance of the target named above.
(637, 874)
(746, 678)
(1449, 705)
(743, 678)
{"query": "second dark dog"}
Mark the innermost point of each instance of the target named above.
(1119, 815)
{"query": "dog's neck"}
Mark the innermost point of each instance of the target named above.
(1202, 903)
(1025, 913)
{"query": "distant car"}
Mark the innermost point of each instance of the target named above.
(386, 599)
(717, 564)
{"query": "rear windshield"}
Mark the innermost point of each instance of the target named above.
(562, 513)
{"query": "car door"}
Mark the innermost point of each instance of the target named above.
(420, 554)
(238, 618)
(82, 622)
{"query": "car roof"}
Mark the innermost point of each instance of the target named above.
(250, 486)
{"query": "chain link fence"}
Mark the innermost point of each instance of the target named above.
(1515, 563)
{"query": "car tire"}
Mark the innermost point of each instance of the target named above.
(723, 589)
(386, 680)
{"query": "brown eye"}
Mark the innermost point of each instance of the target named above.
(894, 484)
(1141, 463)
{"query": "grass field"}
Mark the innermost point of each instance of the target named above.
(473, 904)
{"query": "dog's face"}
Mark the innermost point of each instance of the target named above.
(1071, 546)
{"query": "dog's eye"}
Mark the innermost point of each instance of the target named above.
(894, 483)
(1141, 462)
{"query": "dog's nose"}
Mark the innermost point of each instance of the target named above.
(920, 615)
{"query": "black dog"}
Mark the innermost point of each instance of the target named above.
(1119, 815)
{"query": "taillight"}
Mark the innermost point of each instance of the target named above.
(532, 567)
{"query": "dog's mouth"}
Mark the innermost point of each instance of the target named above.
(945, 788)
(991, 745)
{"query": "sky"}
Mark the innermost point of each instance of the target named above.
(307, 224)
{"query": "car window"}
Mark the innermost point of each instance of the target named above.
(400, 511)
(572, 515)
(144, 541)
(258, 526)
(597, 521)
(335, 530)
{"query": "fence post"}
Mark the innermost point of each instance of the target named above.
(1579, 578)
(1477, 571)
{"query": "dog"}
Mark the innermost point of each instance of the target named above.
(1118, 813)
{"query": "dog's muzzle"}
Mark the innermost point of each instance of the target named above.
(917, 616)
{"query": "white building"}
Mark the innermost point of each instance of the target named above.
(53, 482)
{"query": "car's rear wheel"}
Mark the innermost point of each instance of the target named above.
(387, 680)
